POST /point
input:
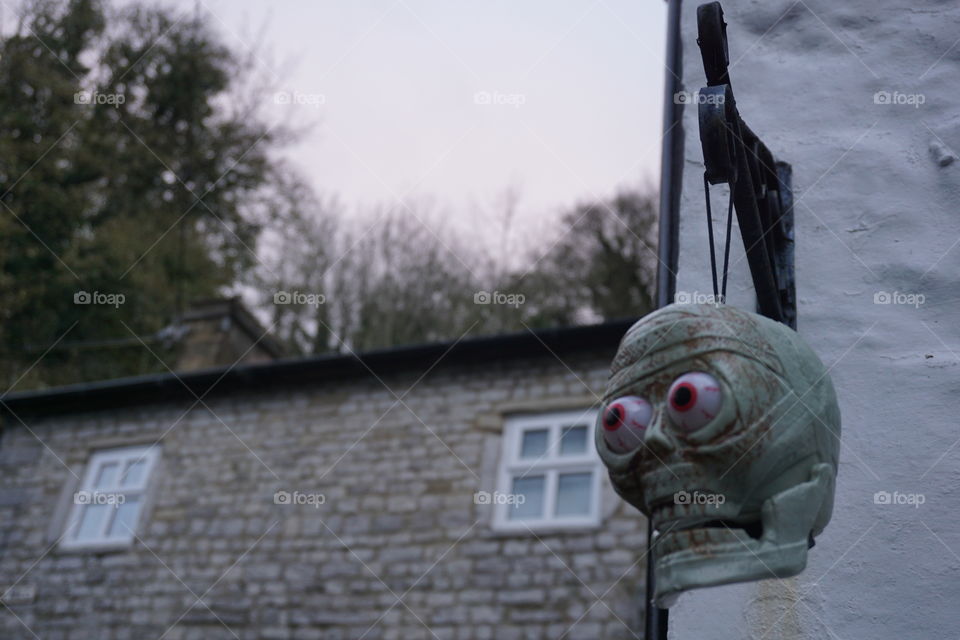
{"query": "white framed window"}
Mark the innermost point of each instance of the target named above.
(108, 502)
(549, 474)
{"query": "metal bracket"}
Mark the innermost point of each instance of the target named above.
(762, 193)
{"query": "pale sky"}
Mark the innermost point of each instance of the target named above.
(458, 101)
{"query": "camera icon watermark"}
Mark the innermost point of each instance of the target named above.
(111, 498)
(896, 98)
(315, 100)
(19, 594)
(299, 498)
(697, 497)
(696, 297)
(899, 297)
(97, 98)
(299, 298)
(485, 497)
(887, 498)
(495, 98)
(695, 97)
(510, 299)
(110, 299)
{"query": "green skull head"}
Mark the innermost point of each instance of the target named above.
(721, 426)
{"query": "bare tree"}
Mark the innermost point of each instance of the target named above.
(396, 275)
(385, 278)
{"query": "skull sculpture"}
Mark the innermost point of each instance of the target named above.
(721, 426)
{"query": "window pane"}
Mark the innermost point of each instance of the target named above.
(133, 475)
(108, 475)
(534, 443)
(573, 440)
(91, 522)
(125, 519)
(573, 494)
(527, 498)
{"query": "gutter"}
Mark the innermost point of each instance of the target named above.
(552, 343)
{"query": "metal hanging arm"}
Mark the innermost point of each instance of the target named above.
(760, 190)
(761, 186)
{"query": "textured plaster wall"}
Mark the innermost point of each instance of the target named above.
(399, 519)
(877, 189)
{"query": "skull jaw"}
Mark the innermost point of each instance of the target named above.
(726, 564)
(707, 559)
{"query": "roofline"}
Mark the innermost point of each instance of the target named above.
(294, 371)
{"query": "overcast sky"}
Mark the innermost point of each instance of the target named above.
(457, 100)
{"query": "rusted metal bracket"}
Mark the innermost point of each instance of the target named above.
(761, 185)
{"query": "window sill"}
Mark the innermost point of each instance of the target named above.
(527, 529)
(94, 547)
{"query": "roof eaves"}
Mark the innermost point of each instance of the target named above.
(187, 386)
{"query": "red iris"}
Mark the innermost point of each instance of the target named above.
(613, 417)
(684, 396)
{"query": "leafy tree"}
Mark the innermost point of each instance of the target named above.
(602, 267)
(126, 167)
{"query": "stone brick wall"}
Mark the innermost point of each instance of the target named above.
(398, 549)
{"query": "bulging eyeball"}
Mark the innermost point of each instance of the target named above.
(694, 400)
(625, 422)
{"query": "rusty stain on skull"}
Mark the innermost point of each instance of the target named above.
(723, 427)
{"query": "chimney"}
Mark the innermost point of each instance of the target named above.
(222, 332)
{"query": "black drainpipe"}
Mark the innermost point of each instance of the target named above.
(671, 174)
(671, 161)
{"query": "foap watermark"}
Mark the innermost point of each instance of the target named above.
(695, 97)
(97, 297)
(896, 98)
(19, 594)
(510, 299)
(495, 98)
(96, 98)
(485, 497)
(299, 498)
(709, 499)
(315, 100)
(696, 297)
(912, 499)
(112, 498)
(298, 297)
(899, 297)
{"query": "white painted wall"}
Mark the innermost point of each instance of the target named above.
(876, 212)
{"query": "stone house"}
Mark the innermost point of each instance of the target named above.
(438, 491)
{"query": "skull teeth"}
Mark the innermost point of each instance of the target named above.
(686, 516)
(696, 539)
